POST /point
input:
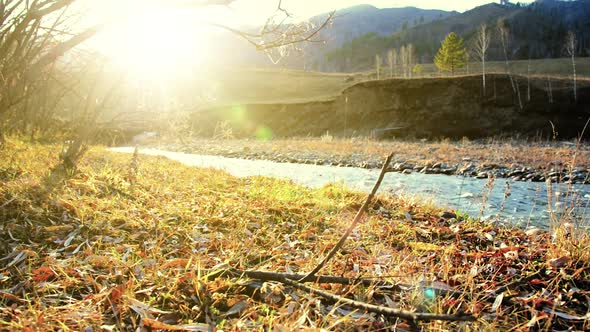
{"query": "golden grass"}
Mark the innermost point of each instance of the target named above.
(122, 246)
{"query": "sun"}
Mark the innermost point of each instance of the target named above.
(155, 44)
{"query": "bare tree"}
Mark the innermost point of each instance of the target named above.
(403, 60)
(378, 63)
(482, 43)
(504, 38)
(392, 61)
(410, 59)
(570, 47)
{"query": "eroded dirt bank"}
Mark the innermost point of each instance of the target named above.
(428, 107)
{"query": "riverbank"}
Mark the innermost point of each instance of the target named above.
(139, 242)
(518, 160)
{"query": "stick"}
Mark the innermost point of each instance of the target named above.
(386, 311)
(356, 220)
(320, 279)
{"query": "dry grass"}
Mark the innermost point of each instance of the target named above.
(128, 242)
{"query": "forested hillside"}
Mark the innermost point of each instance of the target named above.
(552, 20)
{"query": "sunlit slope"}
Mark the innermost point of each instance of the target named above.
(246, 86)
(252, 86)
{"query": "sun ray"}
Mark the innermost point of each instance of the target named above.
(155, 44)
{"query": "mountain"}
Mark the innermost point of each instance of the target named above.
(348, 24)
(356, 21)
(353, 22)
(537, 30)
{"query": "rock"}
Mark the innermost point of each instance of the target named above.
(399, 166)
(466, 169)
(448, 171)
(427, 170)
(534, 231)
(449, 215)
(515, 173)
(482, 175)
(407, 171)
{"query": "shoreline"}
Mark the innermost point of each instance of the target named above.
(535, 162)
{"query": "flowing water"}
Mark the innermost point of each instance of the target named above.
(521, 203)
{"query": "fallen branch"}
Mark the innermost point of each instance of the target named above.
(355, 221)
(289, 279)
(320, 279)
(386, 311)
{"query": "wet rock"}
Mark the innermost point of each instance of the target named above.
(466, 169)
(448, 171)
(399, 166)
(482, 175)
(538, 178)
(515, 173)
(427, 170)
(407, 171)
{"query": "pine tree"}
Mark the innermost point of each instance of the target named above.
(451, 55)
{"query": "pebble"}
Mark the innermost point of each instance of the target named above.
(516, 172)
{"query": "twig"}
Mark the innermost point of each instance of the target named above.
(359, 216)
(321, 279)
(386, 311)
(8, 202)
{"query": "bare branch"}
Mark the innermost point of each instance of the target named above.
(280, 8)
(60, 49)
(301, 37)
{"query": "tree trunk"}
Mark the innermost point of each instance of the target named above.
(575, 78)
(483, 65)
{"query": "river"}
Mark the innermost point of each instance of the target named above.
(516, 202)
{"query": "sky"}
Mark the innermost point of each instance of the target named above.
(154, 33)
(311, 7)
(255, 12)
(306, 8)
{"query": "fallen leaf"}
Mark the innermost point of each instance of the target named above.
(498, 302)
(558, 262)
(236, 309)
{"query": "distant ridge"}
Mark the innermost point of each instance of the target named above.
(536, 31)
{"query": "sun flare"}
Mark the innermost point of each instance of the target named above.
(155, 44)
